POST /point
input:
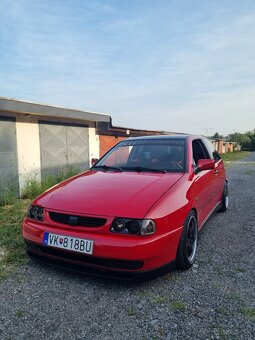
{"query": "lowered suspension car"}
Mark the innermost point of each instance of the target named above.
(136, 211)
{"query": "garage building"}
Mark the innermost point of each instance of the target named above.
(38, 140)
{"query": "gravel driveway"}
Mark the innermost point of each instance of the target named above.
(213, 300)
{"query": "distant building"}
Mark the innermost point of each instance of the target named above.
(224, 146)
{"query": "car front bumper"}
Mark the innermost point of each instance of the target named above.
(114, 255)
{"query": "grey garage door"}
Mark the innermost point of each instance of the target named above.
(8, 155)
(63, 145)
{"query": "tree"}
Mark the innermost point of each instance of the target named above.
(217, 136)
(252, 138)
(243, 139)
(251, 135)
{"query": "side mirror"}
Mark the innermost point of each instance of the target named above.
(93, 161)
(206, 164)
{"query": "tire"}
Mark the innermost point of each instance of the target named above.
(225, 199)
(187, 248)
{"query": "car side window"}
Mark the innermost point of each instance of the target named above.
(212, 152)
(199, 151)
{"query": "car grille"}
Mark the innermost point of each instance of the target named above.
(83, 221)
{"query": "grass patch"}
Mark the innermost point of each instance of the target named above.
(12, 213)
(235, 296)
(171, 277)
(222, 334)
(159, 299)
(241, 270)
(143, 294)
(8, 193)
(34, 188)
(178, 306)
(19, 313)
(222, 311)
(11, 243)
(249, 172)
(222, 272)
(132, 312)
(234, 156)
(248, 312)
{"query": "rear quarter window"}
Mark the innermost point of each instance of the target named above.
(211, 150)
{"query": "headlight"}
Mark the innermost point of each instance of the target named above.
(133, 226)
(35, 213)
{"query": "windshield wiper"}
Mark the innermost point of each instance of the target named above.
(141, 169)
(107, 167)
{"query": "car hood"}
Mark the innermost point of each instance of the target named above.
(124, 194)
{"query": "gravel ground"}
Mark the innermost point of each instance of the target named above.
(213, 300)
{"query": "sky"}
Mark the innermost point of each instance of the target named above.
(173, 65)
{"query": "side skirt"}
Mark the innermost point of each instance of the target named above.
(217, 206)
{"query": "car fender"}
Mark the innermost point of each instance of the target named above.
(171, 210)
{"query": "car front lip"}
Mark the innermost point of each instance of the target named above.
(122, 253)
(101, 272)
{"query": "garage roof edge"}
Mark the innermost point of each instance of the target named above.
(20, 106)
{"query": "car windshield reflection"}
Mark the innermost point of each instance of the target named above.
(152, 155)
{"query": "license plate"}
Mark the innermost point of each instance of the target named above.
(76, 244)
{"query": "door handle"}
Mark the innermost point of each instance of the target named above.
(216, 172)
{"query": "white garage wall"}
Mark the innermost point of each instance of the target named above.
(93, 144)
(28, 147)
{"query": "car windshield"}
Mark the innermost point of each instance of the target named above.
(152, 155)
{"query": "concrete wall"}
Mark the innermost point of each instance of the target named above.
(28, 150)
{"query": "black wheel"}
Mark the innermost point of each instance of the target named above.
(187, 248)
(225, 199)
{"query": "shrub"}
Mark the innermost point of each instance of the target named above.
(34, 188)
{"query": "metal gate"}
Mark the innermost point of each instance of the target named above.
(63, 145)
(9, 180)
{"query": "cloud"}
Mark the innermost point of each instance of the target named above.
(169, 66)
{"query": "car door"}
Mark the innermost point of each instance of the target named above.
(205, 182)
(219, 169)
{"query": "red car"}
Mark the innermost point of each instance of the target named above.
(138, 209)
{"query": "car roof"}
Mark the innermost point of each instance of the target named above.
(160, 137)
(174, 136)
